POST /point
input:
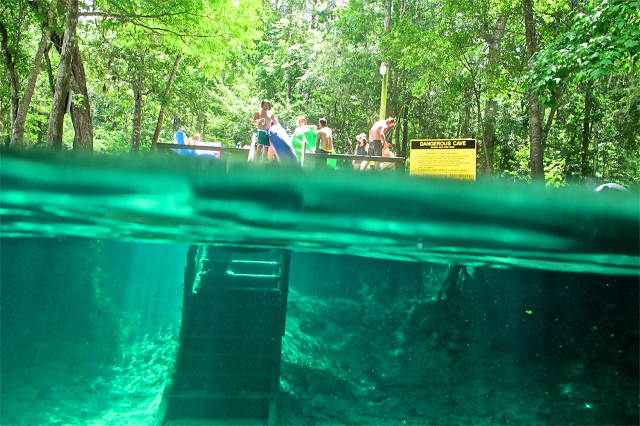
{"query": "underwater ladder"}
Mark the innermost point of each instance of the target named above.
(228, 364)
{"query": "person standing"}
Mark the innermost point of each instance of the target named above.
(361, 149)
(264, 118)
(304, 135)
(324, 145)
(377, 136)
(302, 124)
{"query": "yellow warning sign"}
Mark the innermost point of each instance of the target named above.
(447, 158)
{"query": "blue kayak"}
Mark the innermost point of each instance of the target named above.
(281, 143)
(181, 138)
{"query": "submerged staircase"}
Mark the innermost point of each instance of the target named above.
(228, 363)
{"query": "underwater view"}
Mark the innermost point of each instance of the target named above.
(160, 290)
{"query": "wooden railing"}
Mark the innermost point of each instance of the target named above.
(308, 159)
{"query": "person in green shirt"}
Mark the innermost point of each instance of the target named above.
(304, 135)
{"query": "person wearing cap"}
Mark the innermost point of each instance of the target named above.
(361, 149)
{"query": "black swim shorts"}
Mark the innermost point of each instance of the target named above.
(375, 148)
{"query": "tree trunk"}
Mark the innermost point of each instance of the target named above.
(52, 82)
(545, 132)
(586, 130)
(17, 133)
(156, 134)
(481, 123)
(63, 80)
(494, 41)
(489, 132)
(604, 162)
(17, 126)
(536, 155)
(42, 129)
(534, 110)
(81, 108)
(314, 16)
(9, 64)
(137, 115)
(387, 16)
(594, 131)
(405, 132)
(464, 129)
(396, 135)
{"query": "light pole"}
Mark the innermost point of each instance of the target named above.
(383, 95)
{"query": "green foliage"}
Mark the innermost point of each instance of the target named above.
(321, 60)
(232, 109)
(601, 42)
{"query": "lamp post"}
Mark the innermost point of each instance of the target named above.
(383, 95)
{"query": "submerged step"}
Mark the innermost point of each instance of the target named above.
(239, 280)
(237, 322)
(227, 384)
(188, 406)
(222, 395)
(213, 298)
(260, 267)
(228, 363)
(231, 345)
(214, 422)
(225, 374)
(210, 365)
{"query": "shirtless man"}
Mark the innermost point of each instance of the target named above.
(264, 118)
(324, 145)
(377, 136)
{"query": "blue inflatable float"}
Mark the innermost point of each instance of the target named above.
(281, 143)
(180, 138)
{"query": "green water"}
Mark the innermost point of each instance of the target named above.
(386, 216)
(546, 332)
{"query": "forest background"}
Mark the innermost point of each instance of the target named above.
(550, 88)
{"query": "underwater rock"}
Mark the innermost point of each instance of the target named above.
(485, 359)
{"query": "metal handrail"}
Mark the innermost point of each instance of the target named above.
(201, 147)
(312, 155)
(356, 157)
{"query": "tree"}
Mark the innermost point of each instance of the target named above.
(557, 97)
(156, 134)
(19, 108)
(596, 56)
(534, 109)
(61, 94)
(213, 32)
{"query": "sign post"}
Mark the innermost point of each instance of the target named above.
(445, 158)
